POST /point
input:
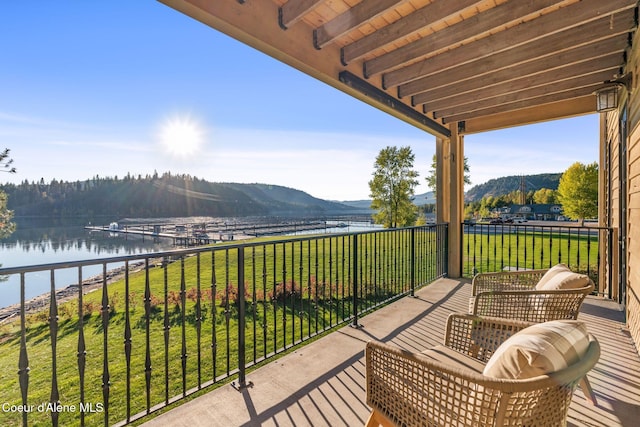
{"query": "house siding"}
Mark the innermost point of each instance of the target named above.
(633, 227)
(611, 198)
(632, 167)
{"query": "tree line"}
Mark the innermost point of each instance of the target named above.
(395, 179)
(131, 196)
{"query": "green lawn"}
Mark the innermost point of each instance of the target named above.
(530, 250)
(293, 291)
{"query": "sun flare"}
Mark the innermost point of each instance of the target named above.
(181, 137)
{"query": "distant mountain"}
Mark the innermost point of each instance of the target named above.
(357, 204)
(158, 196)
(419, 199)
(507, 184)
(428, 198)
(494, 187)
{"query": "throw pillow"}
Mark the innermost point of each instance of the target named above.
(539, 349)
(551, 273)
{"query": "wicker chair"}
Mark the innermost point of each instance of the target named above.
(512, 294)
(447, 387)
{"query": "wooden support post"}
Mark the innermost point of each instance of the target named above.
(450, 194)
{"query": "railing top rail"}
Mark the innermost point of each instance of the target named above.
(192, 251)
(539, 225)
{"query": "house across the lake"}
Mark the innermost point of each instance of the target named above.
(536, 212)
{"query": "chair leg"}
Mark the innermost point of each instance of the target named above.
(377, 419)
(587, 390)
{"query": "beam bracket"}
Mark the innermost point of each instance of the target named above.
(382, 97)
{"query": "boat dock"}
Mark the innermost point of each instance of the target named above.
(196, 234)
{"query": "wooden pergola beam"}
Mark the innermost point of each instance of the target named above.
(407, 26)
(478, 25)
(468, 78)
(356, 16)
(557, 44)
(537, 102)
(596, 70)
(293, 10)
(533, 114)
(592, 81)
(558, 34)
(256, 24)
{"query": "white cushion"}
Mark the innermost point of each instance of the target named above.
(560, 277)
(539, 349)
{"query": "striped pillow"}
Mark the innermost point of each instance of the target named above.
(539, 349)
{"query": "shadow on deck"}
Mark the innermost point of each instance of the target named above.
(323, 383)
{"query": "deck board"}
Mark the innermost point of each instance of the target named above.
(323, 383)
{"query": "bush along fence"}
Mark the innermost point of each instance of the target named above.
(174, 323)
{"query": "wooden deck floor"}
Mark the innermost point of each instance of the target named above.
(323, 384)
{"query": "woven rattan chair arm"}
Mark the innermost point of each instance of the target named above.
(532, 306)
(506, 280)
(411, 389)
(477, 336)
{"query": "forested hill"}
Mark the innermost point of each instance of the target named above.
(507, 184)
(159, 196)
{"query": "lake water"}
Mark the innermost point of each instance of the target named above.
(47, 241)
(38, 242)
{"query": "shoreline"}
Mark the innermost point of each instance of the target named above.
(65, 294)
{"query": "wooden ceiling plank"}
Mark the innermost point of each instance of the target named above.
(528, 103)
(611, 64)
(552, 44)
(589, 80)
(293, 11)
(358, 15)
(471, 76)
(478, 25)
(424, 17)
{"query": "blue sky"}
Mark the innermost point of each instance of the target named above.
(91, 88)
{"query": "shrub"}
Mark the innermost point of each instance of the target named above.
(284, 291)
(230, 297)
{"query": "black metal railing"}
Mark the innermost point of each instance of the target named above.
(173, 323)
(497, 247)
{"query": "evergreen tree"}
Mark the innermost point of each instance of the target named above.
(6, 225)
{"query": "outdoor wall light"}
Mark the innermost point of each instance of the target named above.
(607, 97)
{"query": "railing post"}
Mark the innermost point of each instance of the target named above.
(610, 262)
(242, 381)
(445, 271)
(354, 257)
(412, 260)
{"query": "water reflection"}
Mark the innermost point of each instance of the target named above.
(49, 241)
